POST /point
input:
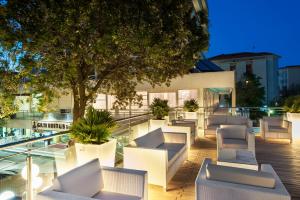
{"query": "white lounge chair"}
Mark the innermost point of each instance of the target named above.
(90, 181)
(158, 153)
(275, 128)
(215, 182)
(235, 137)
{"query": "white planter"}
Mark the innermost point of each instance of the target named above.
(293, 116)
(295, 119)
(155, 123)
(106, 153)
(190, 115)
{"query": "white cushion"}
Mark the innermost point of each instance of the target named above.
(104, 195)
(236, 120)
(240, 176)
(151, 140)
(234, 144)
(217, 119)
(233, 131)
(85, 180)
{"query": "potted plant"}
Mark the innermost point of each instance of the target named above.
(92, 137)
(160, 109)
(292, 107)
(190, 107)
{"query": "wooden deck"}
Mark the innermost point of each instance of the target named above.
(284, 157)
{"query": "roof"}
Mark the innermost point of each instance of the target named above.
(241, 55)
(205, 66)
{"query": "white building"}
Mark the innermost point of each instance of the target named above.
(289, 77)
(262, 64)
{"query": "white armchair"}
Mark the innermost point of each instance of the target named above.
(235, 137)
(275, 128)
(158, 153)
(90, 181)
(216, 182)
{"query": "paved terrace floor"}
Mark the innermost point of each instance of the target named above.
(284, 157)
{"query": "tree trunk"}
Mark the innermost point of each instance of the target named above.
(80, 103)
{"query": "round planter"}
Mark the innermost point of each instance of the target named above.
(106, 153)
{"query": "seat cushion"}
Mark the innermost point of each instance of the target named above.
(174, 150)
(236, 120)
(277, 129)
(104, 195)
(75, 181)
(240, 176)
(233, 131)
(151, 140)
(234, 144)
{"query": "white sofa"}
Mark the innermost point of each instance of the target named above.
(275, 128)
(158, 153)
(235, 137)
(216, 182)
(192, 123)
(90, 181)
(214, 121)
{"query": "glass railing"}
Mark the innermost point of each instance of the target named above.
(50, 156)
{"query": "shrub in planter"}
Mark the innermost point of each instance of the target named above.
(94, 128)
(190, 105)
(92, 137)
(159, 108)
(292, 104)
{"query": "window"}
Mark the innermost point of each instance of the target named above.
(232, 67)
(170, 96)
(184, 95)
(249, 68)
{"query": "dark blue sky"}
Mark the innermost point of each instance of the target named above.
(256, 25)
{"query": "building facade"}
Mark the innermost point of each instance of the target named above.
(263, 64)
(289, 77)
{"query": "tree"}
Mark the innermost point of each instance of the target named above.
(119, 44)
(249, 91)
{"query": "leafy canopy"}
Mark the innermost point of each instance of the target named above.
(191, 105)
(95, 128)
(292, 104)
(249, 91)
(119, 43)
(159, 108)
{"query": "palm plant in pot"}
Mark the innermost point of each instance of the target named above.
(92, 137)
(160, 109)
(292, 107)
(190, 107)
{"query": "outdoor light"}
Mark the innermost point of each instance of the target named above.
(37, 182)
(7, 195)
(35, 171)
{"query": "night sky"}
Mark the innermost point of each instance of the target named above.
(256, 25)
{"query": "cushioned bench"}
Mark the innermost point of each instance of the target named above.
(159, 153)
(214, 121)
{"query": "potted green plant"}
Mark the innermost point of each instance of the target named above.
(160, 109)
(92, 135)
(190, 107)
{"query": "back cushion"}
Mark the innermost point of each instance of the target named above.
(216, 119)
(236, 120)
(233, 131)
(151, 140)
(273, 121)
(85, 180)
(240, 176)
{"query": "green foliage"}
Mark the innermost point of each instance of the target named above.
(124, 43)
(191, 105)
(249, 91)
(159, 108)
(94, 128)
(292, 104)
